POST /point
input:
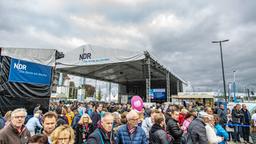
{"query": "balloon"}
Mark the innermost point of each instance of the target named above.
(137, 103)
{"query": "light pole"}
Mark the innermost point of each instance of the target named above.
(234, 85)
(223, 74)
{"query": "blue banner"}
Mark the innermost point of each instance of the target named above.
(158, 94)
(28, 72)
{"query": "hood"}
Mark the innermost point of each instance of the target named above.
(155, 127)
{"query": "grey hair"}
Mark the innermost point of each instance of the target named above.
(19, 110)
(106, 115)
(116, 115)
(131, 114)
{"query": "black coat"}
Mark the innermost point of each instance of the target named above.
(158, 136)
(98, 137)
(95, 118)
(223, 116)
(174, 130)
(80, 130)
(237, 116)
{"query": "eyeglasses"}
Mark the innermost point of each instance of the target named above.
(17, 117)
(135, 119)
(63, 139)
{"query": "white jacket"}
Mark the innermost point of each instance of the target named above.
(211, 135)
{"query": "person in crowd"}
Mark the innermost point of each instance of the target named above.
(96, 115)
(141, 117)
(182, 115)
(81, 109)
(49, 124)
(123, 117)
(253, 128)
(38, 139)
(117, 121)
(7, 117)
(147, 111)
(130, 132)
(102, 135)
(157, 133)
(208, 110)
(15, 132)
(70, 114)
(190, 116)
(210, 131)
(223, 115)
(149, 121)
(51, 106)
(84, 129)
(62, 119)
(63, 134)
(89, 109)
(34, 123)
(76, 119)
(246, 119)
(2, 121)
(229, 128)
(173, 127)
(197, 129)
(61, 103)
(236, 120)
(220, 131)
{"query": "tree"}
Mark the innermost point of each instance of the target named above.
(89, 90)
(99, 95)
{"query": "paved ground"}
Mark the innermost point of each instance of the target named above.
(242, 141)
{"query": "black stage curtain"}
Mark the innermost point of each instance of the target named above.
(21, 95)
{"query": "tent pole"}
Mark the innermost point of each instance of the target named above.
(148, 80)
(168, 86)
(178, 87)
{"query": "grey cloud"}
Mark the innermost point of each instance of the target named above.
(186, 49)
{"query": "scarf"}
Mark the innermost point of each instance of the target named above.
(105, 131)
(131, 130)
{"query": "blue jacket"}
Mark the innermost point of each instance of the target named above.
(124, 137)
(221, 132)
(2, 122)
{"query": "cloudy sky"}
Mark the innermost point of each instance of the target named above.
(177, 33)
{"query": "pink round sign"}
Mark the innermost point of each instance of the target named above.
(137, 103)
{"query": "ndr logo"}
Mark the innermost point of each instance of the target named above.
(20, 66)
(86, 54)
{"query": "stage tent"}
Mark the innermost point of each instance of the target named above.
(136, 72)
(26, 77)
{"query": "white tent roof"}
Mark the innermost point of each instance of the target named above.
(41, 56)
(97, 55)
(108, 64)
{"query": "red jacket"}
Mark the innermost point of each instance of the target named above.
(181, 118)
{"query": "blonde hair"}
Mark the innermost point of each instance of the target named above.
(7, 115)
(55, 134)
(84, 116)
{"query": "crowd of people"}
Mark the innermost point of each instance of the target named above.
(109, 123)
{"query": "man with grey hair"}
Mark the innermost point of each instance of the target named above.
(197, 130)
(131, 132)
(15, 132)
(102, 135)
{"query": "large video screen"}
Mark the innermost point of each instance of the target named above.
(158, 94)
